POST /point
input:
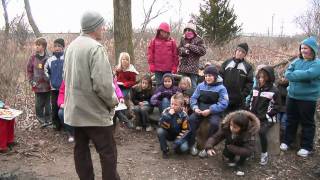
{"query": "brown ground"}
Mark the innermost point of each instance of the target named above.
(45, 154)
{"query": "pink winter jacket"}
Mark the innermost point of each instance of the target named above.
(62, 87)
(163, 53)
(117, 89)
(61, 94)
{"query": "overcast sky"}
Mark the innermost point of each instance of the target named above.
(254, 15)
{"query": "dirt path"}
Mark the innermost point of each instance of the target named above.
(45, 154)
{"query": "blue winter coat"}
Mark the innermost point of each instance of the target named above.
(304, 79)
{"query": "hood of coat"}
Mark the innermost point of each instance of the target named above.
(254, 123)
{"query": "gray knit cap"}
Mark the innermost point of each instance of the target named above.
(90, 21)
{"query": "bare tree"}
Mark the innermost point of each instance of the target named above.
(122, 28)
(19, 30)
(148, 18)
(6, 19)
(309, 22)
(31, 20)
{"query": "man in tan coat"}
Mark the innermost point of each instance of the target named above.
(90, 99)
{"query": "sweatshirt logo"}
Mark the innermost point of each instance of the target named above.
(40, 66)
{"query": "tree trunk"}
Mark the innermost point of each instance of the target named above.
(6, 19)
(31, 20)
(122, 28)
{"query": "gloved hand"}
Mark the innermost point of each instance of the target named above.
(272, 119)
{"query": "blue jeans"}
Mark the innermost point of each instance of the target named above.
(158, 76)
(282, 118)
(142, 115)
(165, 103)
(125, 91)
(300, 112)
(193, 77)
(195, 121)
(68, 128)
(164, 135)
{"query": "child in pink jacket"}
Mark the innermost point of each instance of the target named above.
(68, 128)
(120, 114)
(162, 53)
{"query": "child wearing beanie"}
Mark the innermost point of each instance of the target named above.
(237, 76)
(208, 102)
(53, 70)
(191, 48)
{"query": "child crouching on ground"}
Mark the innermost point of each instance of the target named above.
(6, 132)
(239, 129)
(174, 126)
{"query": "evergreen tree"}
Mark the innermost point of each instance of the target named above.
(217, 22)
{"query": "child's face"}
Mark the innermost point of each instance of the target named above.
(234, 128)
(209, 78)
(39, 48)
(186, 99)
(306, 52)
(167, 82)
(144, 84)
(183, 85)
(124, 62)
(164, 34)
(175, 105)
(262, 78)
(240, 54)
(57, 48)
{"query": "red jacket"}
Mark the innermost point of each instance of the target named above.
(127, 77)
(163, 53)
(36, 75)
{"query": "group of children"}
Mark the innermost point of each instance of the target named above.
(226, 93)
(236, 108)
(45, 77)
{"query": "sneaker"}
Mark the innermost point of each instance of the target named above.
(149, 129)
(203, 154)
(284, 147)
(240, 173)
(303, 153)
(71, 139)
(138, 128)
(264, 159)
(232, 164)
(194, 151)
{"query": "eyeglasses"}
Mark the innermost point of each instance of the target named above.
(188, 29)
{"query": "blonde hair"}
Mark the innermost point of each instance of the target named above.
(179, 97)
(186, 80)
(125, 55)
